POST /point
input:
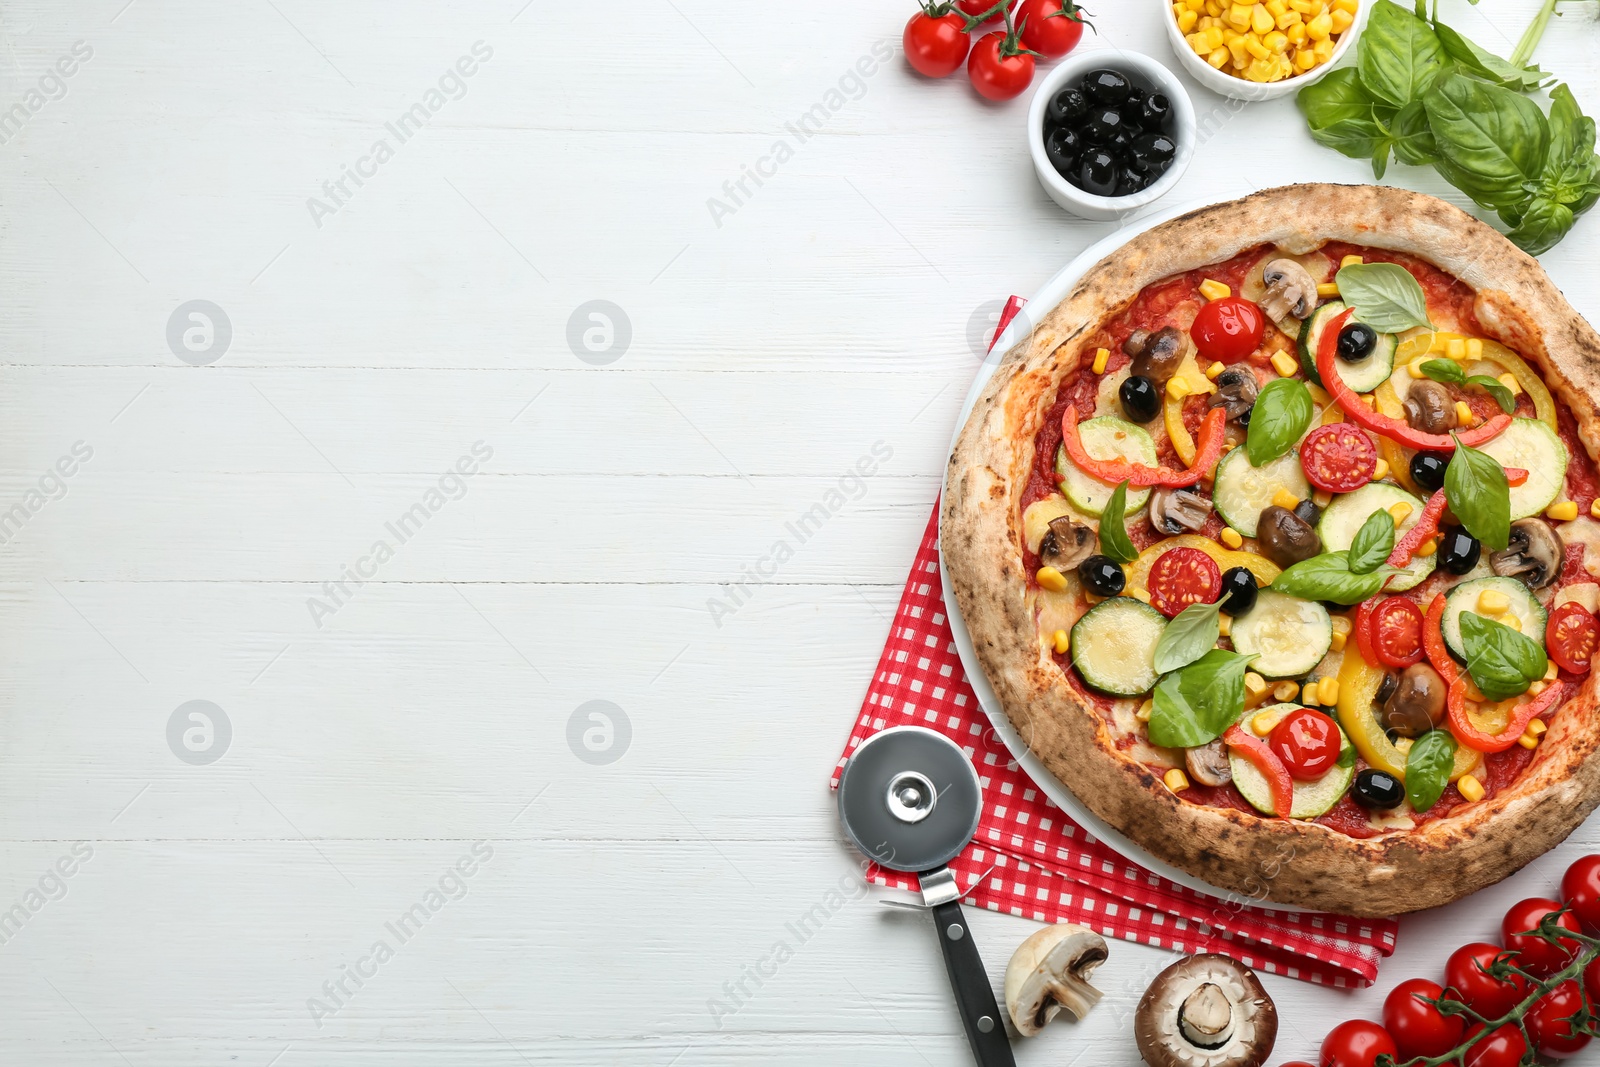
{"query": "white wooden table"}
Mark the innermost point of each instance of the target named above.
(362, 741)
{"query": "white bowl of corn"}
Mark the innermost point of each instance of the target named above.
(1259, 51)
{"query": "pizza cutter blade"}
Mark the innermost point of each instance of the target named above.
(910, 799)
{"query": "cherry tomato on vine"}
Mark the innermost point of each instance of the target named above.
(1539, 956)
(1397, 632)
(1228, 329)
(1580, 888)
(1503, 1048)
(936, 43)
(1572, 635)
(999, 71)
(1467, 973)
(1183, 576)
(978, 7)
(1308, 744)
(1356, 1043)
(1591, 981)
(1549, 1025)
(1051, 27)
(1418, 1028)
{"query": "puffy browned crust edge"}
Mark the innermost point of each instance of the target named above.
(1262, 860)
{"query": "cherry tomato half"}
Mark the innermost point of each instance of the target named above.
(1572, 636)
(1580, 888)
(1050, 27)
(1228, 329)
(1418, 1028)
(1339, 458)
(935, 47)
(1549, 1025)
(1356, 1043)
(1183, 576)
(1467, 972)
(1539, 956)
(1397, 632)
(1503, 1048)
(997, 76)
(1308, 744)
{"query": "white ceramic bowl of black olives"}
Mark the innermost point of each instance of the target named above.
(1110, 132)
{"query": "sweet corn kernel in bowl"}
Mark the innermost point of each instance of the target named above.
(1259, 50)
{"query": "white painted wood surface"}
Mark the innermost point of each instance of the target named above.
(430, 711)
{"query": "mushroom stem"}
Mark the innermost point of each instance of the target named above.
(1071, 993)
(1206, 1018)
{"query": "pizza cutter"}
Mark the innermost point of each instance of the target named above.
(910, 799)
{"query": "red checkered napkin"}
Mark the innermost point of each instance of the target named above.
(1029, 858)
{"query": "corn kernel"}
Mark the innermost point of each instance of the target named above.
(1320, 27)
(1513, 623)
(1456, 348)
(1231, 537)
(1323, 49)
(1214, 8)
(1305, 59)
(1218, 57)
(1342, 20)
(1285, 364)
(1261, 20)
(1464, 414)
(1493, 602)
(1381, 471)
(1060, 642)
(1224, 626)
(1428, 547)
(1187, 20)
(1051, 579)
(1276, 8)
(1565, 511)
(1470, 788)
(1351, 261)
(1305, 7)
(1214, 370)
(1285, 499)
(1399, 511)
(1529, 740)
(1176, 780)
(1143, 714)
(1329, 690)
(1349, 7)
(1342, 624)
(1326, 289)
(1239, 15)
(1277, 41)
(1330, 415)
(1594, 508)
(1101, 356)
(1284, 692)
(1254, 683)
(1177, 388)
(1254, 46)
(1339, 642)
(1263, 723)
(1321, 498)
(1509, 380)
(1142, 595)
(1474, 348)
(1537, 727)
(1414, 368)
(1537, 687)
(1214, 290)
(1197, 6)
(1292, 24)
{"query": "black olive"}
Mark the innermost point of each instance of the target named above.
(1238, 591)
(1153, 151)
(1097, 172)
(1458, 550)
(1121, 143)
(1067, 107)
(1141, 400)
(1131, 181)
(1427, 470)
(1155, 111)
(1136, 98)
(1357, 341)
(1106, 87)
(1102, 575)
(1377, 790)
(1308, 511)
(1063, 146)
(1103, 124)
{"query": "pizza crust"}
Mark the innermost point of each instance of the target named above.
(1262, 860)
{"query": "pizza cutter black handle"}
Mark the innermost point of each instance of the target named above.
(980, 1014)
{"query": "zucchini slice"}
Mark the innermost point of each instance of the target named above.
(1114, 646)
(1106, 437)
(1242, 490)
(1363, 377)
(1530, 616)
(1533, 446)
(1343, 518)
(1287, 635)
(1310, 798)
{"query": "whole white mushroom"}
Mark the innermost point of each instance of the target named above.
(1050, 971)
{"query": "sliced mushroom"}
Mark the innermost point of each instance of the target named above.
(1416, 704)
(1236, 393)
(1286, 538)
(1173, 511)
(1068, 544)
(1050, 971)
(1206, 1011)
(1156, 355)
(1533, 555)
(1291, 291)
(1429, 407)
(1208, 764)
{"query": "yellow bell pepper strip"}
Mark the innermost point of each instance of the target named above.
(1396, 429)
(1267, 762)
(1358, 688)
(1113, 471)
(1265, 571)
(1468, 733)
(1177, 432)
(1544, 405)
(1389, 404)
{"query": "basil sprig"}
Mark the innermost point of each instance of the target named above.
(1425, 94)
(1114, 540)
(1193, 706)
(1448, 370)
(1385, 296)
(1329, 577)
(1428, 767)
(1372, 544)
(1503, 663)
(1475, 487)
(1281, 414)
(1188, 636)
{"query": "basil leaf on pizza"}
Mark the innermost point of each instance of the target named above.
(1476, 489)
(1195, 705)
(1428, 767)
(1449, 371)
(1372, 544)
(1444, 370)
(1282, 412)
(1191, 633)
(1329, 577)
(1386, 296)
(1114, 540)
(1503, 663)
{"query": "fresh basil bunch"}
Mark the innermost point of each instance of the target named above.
(1195, 705)
(1425, 94)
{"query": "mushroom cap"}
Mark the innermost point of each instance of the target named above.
(1160, 1034)
(1291, 291)
(1533, 555)
(1174, 510)
(1068, 543)
(1208, 764)
(1050, 971)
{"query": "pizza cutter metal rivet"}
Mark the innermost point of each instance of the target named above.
(911, 796)
(954, 931)
(985, 1024)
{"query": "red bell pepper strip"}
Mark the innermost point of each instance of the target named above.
(1363, 631)
(1207, 452)
(1426, 527)
(1433, 642)
(1267, 762)
(1515, 476)
(1469, 735)
(1394, 429)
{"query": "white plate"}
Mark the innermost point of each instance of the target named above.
(1042, 302)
